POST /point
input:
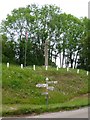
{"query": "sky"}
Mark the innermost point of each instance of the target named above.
(78, 8)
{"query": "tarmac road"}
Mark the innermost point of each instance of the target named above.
(80, 113)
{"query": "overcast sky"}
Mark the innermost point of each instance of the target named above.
(78, 8)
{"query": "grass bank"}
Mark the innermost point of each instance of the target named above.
(21, 96)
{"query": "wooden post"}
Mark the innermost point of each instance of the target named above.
(46, 53)
(47, 92)
(25, 61)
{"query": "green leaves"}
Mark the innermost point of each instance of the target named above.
(65, 32)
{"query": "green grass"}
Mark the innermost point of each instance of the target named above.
(22, 109)
(0, 88)
(20, 95)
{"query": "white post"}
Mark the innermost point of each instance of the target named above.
(46, 67)
(57, 67)
(77, 71)
(33, 67)
(47, 79)
(87, 73)
(7, 65)
(21, 66)
(67, 69)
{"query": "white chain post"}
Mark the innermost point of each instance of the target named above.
(7, 65)
(46, 67)
(87, 73)
(77, 71)
(33, 67)
(57, 68)
(67, 69)
(21, 66)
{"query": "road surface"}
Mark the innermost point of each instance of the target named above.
(80, 113)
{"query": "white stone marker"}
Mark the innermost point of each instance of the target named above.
(33, 67)
(87, 72)
(47, 79)
(57, 67)
(73, 67)
(77, 71)
(7, 65)
(67, 69)
(21, 66)
(46, 67)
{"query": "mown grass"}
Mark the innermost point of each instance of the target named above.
(0, 89)
(20, 95)
(23, 109)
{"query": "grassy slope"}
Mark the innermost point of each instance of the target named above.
(0, 88)
(19, 92)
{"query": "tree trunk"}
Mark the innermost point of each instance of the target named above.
(60, 59)
(63, 58)
(20, 52)
(46, 53)
(71, 59)
(75, 60)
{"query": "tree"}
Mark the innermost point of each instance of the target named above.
(70, 32)
(66, 35)
(33, 20)
(84, 61)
